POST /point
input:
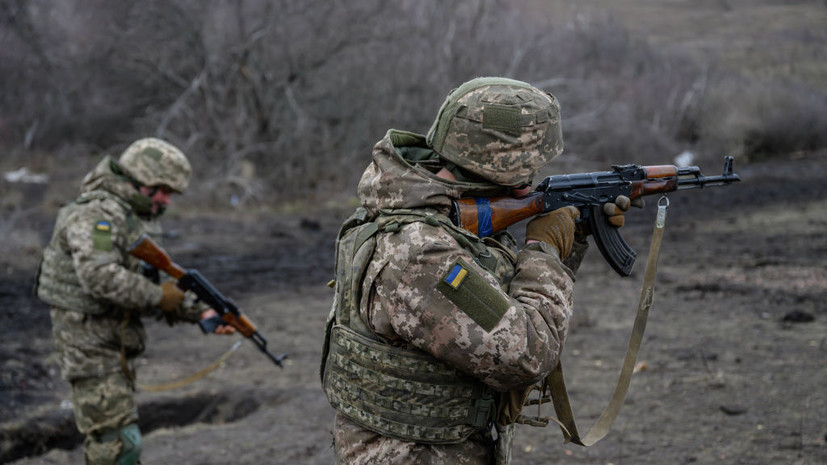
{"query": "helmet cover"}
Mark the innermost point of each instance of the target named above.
(155, 162)
(500, 129)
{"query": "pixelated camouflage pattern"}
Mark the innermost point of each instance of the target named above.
(395, 391)
(401, 393)
(401, 305)
(102, 406)
(155, 162)
(93, 291)
(390, 182)
(500, 129)
(109, 278)
(364, 447)
(578, 253)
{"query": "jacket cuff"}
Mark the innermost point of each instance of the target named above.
(548, 250)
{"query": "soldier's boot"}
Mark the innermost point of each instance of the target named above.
(115, 447)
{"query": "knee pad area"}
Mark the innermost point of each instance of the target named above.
(120, 446)
(130, 436)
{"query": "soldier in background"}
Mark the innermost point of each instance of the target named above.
(98, 293)
(436, 335)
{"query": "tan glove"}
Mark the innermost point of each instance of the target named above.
(555, 228)
(615, 210)
(171, 296)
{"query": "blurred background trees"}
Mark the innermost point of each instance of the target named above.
(280, 100)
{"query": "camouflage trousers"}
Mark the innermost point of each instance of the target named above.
(354, 445)
(102, 406)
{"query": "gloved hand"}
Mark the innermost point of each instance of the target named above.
(621, 204)
(555, 228)
(222, 329)
(171, 296)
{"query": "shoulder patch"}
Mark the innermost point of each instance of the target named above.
(455, 277)
(102, 235)
(474, 295)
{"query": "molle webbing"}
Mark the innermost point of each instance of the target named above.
(57, 282)
(401, 393)
(58, 285)
(406, 394)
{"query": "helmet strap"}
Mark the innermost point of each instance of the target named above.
(118, 171)
(142, 204)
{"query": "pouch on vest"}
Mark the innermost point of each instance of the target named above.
(356, 234)
(396, 392)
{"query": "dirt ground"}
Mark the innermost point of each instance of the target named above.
(733, 365)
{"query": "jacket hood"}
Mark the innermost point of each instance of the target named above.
(104, 177)
(399, 177)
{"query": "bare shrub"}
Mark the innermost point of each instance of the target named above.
(622, 101)
(279, 100)
(86, 70)
(760, 119)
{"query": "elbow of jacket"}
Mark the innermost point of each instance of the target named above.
(526, 370)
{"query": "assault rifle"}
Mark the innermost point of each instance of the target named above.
(191, 280)
(588, 192)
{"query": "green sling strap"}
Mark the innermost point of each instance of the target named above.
(555, 385)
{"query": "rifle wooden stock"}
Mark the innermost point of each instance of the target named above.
(240, 322)
(147, 250)
(504, 211)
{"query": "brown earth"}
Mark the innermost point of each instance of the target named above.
(732, 369)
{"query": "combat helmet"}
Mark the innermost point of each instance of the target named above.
(500, 129)
(154, 162)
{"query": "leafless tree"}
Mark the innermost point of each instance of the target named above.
(285, 98)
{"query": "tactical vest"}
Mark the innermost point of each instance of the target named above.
(57, 282)
(400, 393)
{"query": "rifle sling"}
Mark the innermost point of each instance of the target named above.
(560, 397)
(174, 384)
(193, 377)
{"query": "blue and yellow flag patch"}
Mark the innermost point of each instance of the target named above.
(455, 277)
(102, 235)
(474, 295)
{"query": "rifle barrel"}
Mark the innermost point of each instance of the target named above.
(259, 340)
(696, 180)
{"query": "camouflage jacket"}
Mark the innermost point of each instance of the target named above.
(509, 341)
(96, 289)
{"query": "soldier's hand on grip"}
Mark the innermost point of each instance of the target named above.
(616, 210)
(220, 329)
(171, 297)
(555, 228)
